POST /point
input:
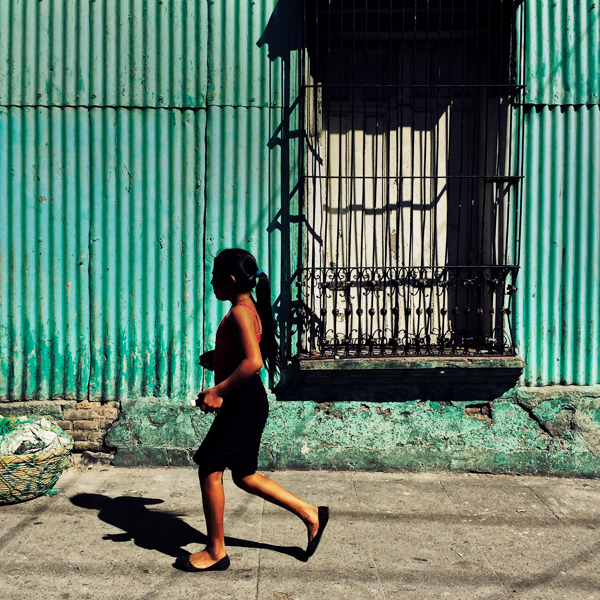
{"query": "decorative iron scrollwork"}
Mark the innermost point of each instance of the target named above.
(460, 311)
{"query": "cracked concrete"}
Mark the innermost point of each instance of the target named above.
(532, 431)
(113, 533)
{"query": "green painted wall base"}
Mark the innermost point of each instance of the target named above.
(551, 431)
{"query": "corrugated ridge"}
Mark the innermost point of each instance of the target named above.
(242, 206)
(239, 71)
(103, 53)
(558, 308)
(562, 61)
(114, 305)
(102, 295)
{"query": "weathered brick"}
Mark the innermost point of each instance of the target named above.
(86, 404)
(77, 415)
(105, 412)
(96, 436)
(66, 425)
(105, 424)
(93, 446)
(79, 436)
(85, 425)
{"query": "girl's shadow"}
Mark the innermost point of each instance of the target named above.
(165, 532)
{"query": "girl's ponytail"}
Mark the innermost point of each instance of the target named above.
(269, 347)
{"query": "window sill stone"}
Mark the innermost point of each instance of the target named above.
(412, 370)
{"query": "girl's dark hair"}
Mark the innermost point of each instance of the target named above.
(244, 268)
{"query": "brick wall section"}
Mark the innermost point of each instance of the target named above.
(88, 423)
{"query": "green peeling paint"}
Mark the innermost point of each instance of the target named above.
(526, 431)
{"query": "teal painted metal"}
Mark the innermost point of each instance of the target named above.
(240, 72)
(552, 430)
(562, 60)
(103, 247)
(101, 264)
(43, 255)
(243, 195)
(254, 57)
(558, 306)
(103, 53)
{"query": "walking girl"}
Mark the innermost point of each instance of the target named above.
(245, 340)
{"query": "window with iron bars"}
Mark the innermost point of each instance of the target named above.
(411, 178)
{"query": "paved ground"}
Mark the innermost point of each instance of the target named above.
(113, 533)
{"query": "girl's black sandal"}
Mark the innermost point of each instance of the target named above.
(183, 563)
(314, 543)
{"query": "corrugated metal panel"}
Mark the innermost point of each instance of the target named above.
(103, 53)
(562, 64)
(243, 196)
(101, 257)
(558, 302)
(102, 248)
(249, 48)
(44, 258)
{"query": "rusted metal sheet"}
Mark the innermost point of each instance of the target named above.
(562, 61)
(101, 259)
(103, 53)
(558, 304)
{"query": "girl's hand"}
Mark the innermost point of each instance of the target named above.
(209, 400)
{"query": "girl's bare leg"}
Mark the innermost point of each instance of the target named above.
(213, 503)
(266, 488)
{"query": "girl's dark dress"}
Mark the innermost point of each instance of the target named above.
(233, 439)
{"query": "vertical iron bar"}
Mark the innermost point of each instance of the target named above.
(410, 329)
(400, 241)
(387, 257)
(462, 162)
(482, 197)
(499, 153)
(439, 292)
(353, 241)
(462, 195)
(375, 170)
(361, 270)
(427, 179)
(326, 99)
(400, 245)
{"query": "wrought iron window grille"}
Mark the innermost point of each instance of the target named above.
(411, 173)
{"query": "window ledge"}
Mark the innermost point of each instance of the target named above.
(411, 370)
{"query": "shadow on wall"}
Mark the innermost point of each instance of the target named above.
(284, 35)
(440, 198)
(284, 32)
(401, 384)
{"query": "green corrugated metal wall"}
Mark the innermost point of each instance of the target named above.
(557, 309)
(562, 62)
(102, 267)
(140, 138)
(103, 53)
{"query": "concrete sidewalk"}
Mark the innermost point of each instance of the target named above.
(113, 533)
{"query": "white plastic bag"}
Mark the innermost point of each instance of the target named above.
(27, 437)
